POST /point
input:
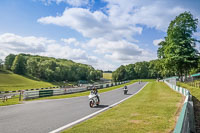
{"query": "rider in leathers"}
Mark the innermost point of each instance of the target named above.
(95, 91)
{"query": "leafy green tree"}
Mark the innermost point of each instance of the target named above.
(51, 69)
(130, 72)
(178, 49)
(19, 65)
(141, 69)
(32, 67)
(119, 74)
(155, 69)
(9, 61)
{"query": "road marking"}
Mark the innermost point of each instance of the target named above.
(93, 114)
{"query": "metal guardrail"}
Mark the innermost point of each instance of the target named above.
(185, 123)
(53, 92)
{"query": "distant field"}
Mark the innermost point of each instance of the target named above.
(12, 82)
(153, 110)
(107, 75)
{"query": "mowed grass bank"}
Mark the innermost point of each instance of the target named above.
(12, 82)
(154, 109)
(107, 75)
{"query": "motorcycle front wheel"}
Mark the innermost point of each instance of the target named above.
(91, 103)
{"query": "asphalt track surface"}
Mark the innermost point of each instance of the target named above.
(48, 115)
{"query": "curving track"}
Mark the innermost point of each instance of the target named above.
(48, 115)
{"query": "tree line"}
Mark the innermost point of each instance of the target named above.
(50, 69)
(177, 54)
(139, 70)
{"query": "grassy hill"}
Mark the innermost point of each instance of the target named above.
(12, 82)
(107, 75)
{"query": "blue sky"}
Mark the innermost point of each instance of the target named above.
(102, 33)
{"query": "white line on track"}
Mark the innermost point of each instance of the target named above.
(93, 114)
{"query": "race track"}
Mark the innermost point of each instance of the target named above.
(48, 115)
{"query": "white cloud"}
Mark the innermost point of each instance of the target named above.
(11, 43)
(119, 51)
(153, 14)
(75, 3)
(93, 24)
(157, 41)
(120, 19)
(71, 41)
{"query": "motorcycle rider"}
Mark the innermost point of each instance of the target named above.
(95, 91)
(125, 87)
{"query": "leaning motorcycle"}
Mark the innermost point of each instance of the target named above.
(93, 100)
(125, 91)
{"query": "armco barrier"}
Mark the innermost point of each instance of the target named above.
(53, 92)
(185, 123)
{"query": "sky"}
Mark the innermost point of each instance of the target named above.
(101, 33)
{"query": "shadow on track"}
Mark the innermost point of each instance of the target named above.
(128, 94)
(101, 106)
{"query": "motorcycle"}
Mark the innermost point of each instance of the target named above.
(125, 90)
(93, 100)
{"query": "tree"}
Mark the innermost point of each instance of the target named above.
(178, 49)
(119, 74)
(9, 61)
(130, 72)
(19, 65)
(1, 64)
(32, 67)
(141, 69)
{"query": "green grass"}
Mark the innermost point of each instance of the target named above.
(107, 75)
(193, 90)
(13, 82)
(152, 110)
(13, 100)
(85, 93)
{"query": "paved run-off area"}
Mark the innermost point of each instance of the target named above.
(47, 115)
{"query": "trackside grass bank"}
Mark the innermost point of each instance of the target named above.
(154, 109)
(12, 82)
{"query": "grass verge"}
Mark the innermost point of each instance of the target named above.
(152, 110)
(13, 100)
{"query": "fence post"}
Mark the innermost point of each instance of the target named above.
(20, 95)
